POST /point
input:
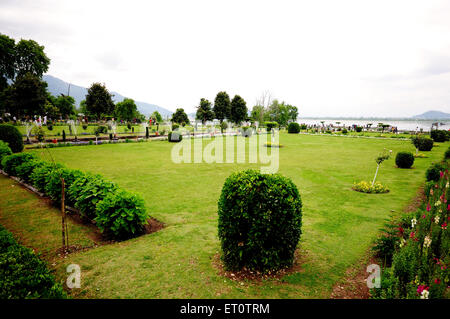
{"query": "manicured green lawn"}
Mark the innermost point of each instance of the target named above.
(339, 224)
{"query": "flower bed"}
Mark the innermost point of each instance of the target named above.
(366, 187)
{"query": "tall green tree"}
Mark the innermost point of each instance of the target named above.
(7, 60)
(281, 113)
(29, 95)
(30, 58)
(99, 101)
(180, 117)
(157, 116)
(65, 105)
(204, 111)
(238, 110)
(222, 106)
(257, 114)
(293, 112)
(126, 110)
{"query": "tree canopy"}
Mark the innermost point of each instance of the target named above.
(204, 111)
(180, 117)
(7, 60)
(238, 110)
(126, 110)
(157, 116)
(99, 101)
(222, 106)
(30, 58)
(65, 105)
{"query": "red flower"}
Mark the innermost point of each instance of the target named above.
(411, 235)
(424, 216)
(441, 173)
(444, 225)
(401, 230)
(437, 281)
(428, 207)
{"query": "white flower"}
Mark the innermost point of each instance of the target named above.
(447, 185)
(436, 219)
(437, 203)
(425, 294)
(413, 222)
(402, 242)
(427, 241)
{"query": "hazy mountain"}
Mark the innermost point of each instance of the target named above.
(57, 86)
(433, 115)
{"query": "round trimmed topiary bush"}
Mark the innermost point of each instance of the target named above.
(423, 144)
(260, 219)
(11, 135)
(433, 173)
(293, 128)
(404, 159)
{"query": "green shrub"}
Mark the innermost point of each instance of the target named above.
(303, 126)
(386, 244)
(439, 135)
(24, 170)
(87, 191)
(22, 274)
(223, 126)
(428, 186)
(53, 186)
(270, 125)
(177, 137)
(84, 126)
(433, 172)
(121, 214)
(11, 135)
(293, 128)
(446, 155)
(11, 162)
(102, 129)
(422, 143)
(366, 187)
(344, 131)
(50, 126)
(404, 265)
(4, 151)
(404, 159)
(260, 218)
(39, 176)
(358, 129)
(175, 126)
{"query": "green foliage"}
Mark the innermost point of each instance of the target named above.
(175, 126)
(433, 172)
(87, 191)
(121, 214)
(126, 110)
(223, 126)
(422, 143)
(366, 187)
(270, 125)
(39, 176)
(39, 133)
(281, 112)
(65, 105)
(204, 111)
(7, 60)
(23, 275)
(99, 101)
(157, 116)
(344, 131)
(293, 128)
(440, 135)
(30, 58)
(24, 170)
(4, 149)
(404, 159)
(11, 135)
(257, 114)
(28, 96)
(447, 154)
(260, 220)
(388, 241)
(180, 117)
(238, 110)
(358, 129)
(222, 106)
(53, 186)
(11, 162)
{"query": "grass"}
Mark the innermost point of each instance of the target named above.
(339, 224)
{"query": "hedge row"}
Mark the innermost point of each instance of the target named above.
(22, 274)
(119, 214)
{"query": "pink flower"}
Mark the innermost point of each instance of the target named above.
(411, 235)
(441, 173)
(424, 216)
(428, 207)
(444, 225)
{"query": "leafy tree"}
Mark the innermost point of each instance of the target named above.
(7, 59)
(180, 117)
(126, 110)
(99, 101)
(281, 112)
(50, 110)
(29, 95)
(204, 111)
(157, 116)
(238, 110)
(293, 112)
(65, 105)
(257, 114)
(30, 58)
(222, 106)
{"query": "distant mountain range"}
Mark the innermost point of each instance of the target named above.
(433, 115)
(57, 86)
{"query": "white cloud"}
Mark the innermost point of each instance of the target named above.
(386, 58)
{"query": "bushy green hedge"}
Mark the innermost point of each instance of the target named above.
(358, 129)
(11, 135)
(40, 175)
(270, 125)
(87, 191)
(121, 214)
(177, 137)
(11, 162)
(440, 135)
(24, 170)
(447, 154)
(260, 218)
(433, 172)
(53, 186)
(293, 128)
(422, 143)
(22, 274)
(404, 159)
(4, 151)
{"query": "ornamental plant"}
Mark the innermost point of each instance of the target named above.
(4, 151)
(11, 162)
(24, 170)
(293, 128)
(379, 160)
(121, 214)
(422, 143)
(11, 135)
(404, 159)
(260, 219)
(39, 176)
(53, 186)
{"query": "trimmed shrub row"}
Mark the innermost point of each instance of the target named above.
(23, 275)
(440, 135)
(119, 214)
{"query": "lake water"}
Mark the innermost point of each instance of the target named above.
(402, 125)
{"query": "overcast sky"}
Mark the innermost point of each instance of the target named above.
(329, 58)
